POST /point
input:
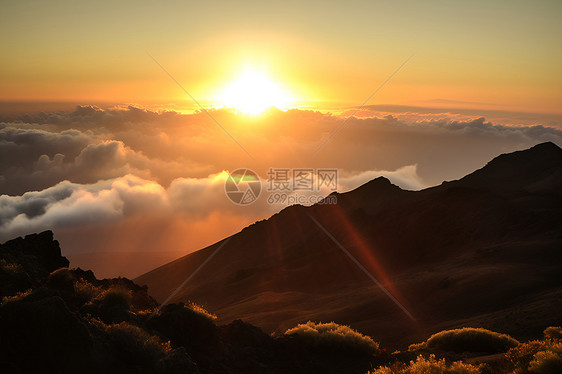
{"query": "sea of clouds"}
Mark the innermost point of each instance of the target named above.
(151, 184)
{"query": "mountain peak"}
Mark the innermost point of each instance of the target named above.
(547, 152)
(381, 180)
(520, 170)
(379, 185)
(546, 146)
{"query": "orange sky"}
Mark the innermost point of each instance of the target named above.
(327, 54)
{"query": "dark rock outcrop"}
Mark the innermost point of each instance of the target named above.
(25, 262)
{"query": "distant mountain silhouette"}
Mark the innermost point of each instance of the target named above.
(484, 250)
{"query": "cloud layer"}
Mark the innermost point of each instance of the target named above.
(101, 177)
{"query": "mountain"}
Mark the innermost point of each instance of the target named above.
(485, 250)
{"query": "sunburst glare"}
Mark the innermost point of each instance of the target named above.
(253, 92)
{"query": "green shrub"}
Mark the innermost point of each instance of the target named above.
(468, 340)
(335, 336)
(429, 365)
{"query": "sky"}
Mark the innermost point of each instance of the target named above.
(102, 138)
(502, 53)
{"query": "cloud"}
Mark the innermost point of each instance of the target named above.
(66, 204)
(461, 111)
(132, 179)
(89, 143)
(73, 204)
(69, 204)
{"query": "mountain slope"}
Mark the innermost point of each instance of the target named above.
(471, 251)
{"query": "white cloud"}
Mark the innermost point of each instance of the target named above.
(119, 177)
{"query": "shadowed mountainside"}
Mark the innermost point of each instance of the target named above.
(483, 250)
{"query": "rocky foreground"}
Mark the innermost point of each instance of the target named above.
(59, 320)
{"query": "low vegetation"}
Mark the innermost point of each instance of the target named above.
(467, 340)
(429, 365)
(553, 332)
(538, 356)
(333, 336)
(55, 319)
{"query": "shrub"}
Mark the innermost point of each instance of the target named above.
(383, 370)
(334, 336)
(200, 310)
(134, 344)
(429, 365)
(9, 267)
(547, 361)
(518, 358)
(86, 291)
(553, 332)
(111, 305)
(183, 326)
(536, 357)
(62, 279)
(459, 367)
(115, 297)
(468, 340)
(16, 297)
(13, 278)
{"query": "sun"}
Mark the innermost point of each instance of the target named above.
(253, 92)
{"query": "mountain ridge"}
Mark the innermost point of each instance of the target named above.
(435, 249)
